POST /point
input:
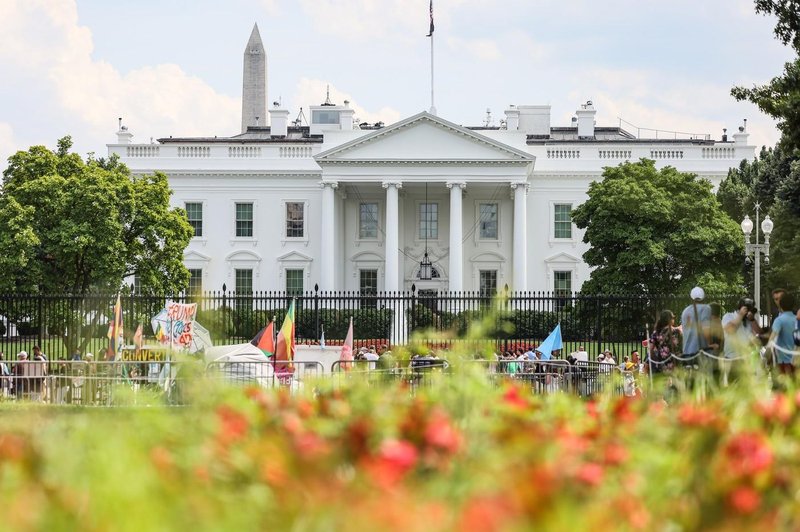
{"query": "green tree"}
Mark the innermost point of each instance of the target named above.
(773, 179)
(780, 98)
(74, 226)
(657, 231)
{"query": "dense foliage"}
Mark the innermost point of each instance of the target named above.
(462, 454)
(773, 179)
(69, 226)
(655, 231)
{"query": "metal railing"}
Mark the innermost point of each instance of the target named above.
(63, 324)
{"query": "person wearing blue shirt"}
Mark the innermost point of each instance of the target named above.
(783, 334)
(695, 324)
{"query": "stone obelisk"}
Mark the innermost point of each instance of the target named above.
(254, 83)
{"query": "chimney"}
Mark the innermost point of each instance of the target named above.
(346, 116)
(740, 138)
(279, 118)
(586, 116)
(123, 135)
(512, 118)
(724, 134)
(534, 120)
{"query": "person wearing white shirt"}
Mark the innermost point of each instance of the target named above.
(740, 335)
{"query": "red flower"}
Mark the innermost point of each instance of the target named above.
(744, 500)
(777, 409)
(696, 416)
(233, 424)
(394, 459)
(441, 434)
(623, 410)
(513, 398)
(748, 454)
(590, 474)
(615, 454)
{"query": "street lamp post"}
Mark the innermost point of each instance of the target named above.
(757, 249)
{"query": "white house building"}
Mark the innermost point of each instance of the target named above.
(349, 206)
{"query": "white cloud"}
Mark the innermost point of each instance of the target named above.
(44, 40)
(312, 92)
(361, 20)
(8, 144)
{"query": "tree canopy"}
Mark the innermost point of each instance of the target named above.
(75, 226)
(773, 178)
(657, 231)
(780, 98)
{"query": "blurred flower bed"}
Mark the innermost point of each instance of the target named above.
(465, 454)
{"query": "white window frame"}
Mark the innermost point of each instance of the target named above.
(294, 260)
(243, 259)
(285, 276)
(561, 262)
(488, 260)
(552, 223)
(306, 226)
(232, 216)
(379, 237)
(367, 260)
(418, 222)
(204, 239)
(477, 232)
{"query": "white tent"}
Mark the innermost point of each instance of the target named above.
(240, 364)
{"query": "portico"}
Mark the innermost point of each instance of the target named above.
(425, 156)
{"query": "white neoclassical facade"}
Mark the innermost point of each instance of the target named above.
(349, 206)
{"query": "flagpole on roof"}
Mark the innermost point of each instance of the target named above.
(430, 34)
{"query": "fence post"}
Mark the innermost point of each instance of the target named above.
(316, 311)
(40, 333)
(413, 309)
(598, 326)
(225, 312)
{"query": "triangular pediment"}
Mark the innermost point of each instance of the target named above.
(424, 138)
(562, 258)
(294, 256)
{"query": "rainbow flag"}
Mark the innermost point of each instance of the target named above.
(115, 330)
(285, 348)
(265, 340)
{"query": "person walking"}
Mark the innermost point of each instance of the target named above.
(783, 335)
(696, 327)
(666, 342)
(740, 336)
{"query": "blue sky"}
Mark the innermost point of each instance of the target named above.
(174, 68)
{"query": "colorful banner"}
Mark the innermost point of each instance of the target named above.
(174, 325)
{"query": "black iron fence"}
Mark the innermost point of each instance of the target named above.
(62, 325)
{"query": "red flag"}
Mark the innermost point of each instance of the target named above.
(346, 355)
(265, 340)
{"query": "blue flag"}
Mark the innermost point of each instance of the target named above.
(551, 343)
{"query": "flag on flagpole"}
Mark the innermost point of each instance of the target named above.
(265, 339)
(284, 351)
(346, 355)
(115, 330)
(322, 338)
(551, 343)
(430, 32)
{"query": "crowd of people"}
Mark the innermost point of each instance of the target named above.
(713, 341)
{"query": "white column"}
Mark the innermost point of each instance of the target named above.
(328, 235)
(520, 252)
(456, 236)
(392, 267)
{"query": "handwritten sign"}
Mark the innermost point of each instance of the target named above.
(174, 325)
